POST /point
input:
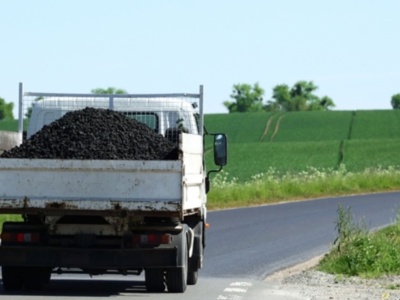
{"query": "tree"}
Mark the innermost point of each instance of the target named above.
(396, 101)
(326, 103)
(299, 98)
(6, 110)
(109, 91)
(282, 97)
(246, 98)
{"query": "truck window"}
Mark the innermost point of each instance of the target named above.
(148, 118)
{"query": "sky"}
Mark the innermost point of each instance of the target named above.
(350, 49)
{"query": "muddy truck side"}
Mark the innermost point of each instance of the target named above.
(98, 205)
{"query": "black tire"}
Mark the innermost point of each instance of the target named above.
(195, 261)
(34, 278)
(154, 279)
(192, 277)
(12, 278)
(47, 275)
(177, 277)
(177, 280)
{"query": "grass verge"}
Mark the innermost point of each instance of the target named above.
(273, 187)
(358, 252)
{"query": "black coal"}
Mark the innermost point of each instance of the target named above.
(95, 134)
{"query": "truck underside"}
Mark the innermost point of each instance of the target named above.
(168, 250)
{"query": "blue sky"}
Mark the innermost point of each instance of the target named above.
(349, 48)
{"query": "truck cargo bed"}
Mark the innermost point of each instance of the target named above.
(105, 187)
(90, 185)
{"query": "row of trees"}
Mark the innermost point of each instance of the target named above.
(300, 97)
(246, 98)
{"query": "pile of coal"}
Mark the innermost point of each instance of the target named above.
(95, 134)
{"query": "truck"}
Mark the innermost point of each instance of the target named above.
(102, 216)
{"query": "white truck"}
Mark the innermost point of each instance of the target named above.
(103, 216)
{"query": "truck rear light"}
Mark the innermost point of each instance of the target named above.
(20, 237)
(151, 239)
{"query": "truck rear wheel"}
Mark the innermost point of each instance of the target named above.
(36, 277)
(154, 279)
(12, 278)
(192, 277)
(177, 277)
(177, 280)
(30, 278)
(195, 262)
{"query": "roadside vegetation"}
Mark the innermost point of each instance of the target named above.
(358, 252)
(273, 186)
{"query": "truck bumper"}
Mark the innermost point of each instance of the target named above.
(88, 258)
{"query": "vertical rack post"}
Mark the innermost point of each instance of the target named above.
(20, 112)
(201, 121)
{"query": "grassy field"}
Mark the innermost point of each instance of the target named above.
(296, 141)
(371, 153)
(9, 125)
(248, 128)
(309, 126)
(250, 159)
(376, 124)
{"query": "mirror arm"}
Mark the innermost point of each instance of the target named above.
(214, 171)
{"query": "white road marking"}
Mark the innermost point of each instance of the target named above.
(243, 283)
(235, 291)
(229, 297)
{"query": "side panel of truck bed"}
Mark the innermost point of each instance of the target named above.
(193, 171)
(90, 185)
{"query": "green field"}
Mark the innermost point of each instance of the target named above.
(376, 124)
(296, 141)
(248, 159)
(11, 125)
(310, 126)
(243, 128)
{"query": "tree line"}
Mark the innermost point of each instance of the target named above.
(245, 98)
(300, 97)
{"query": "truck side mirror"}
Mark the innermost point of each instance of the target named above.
(220, 149)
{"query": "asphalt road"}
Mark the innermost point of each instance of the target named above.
(243, 247)
(255, 242)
